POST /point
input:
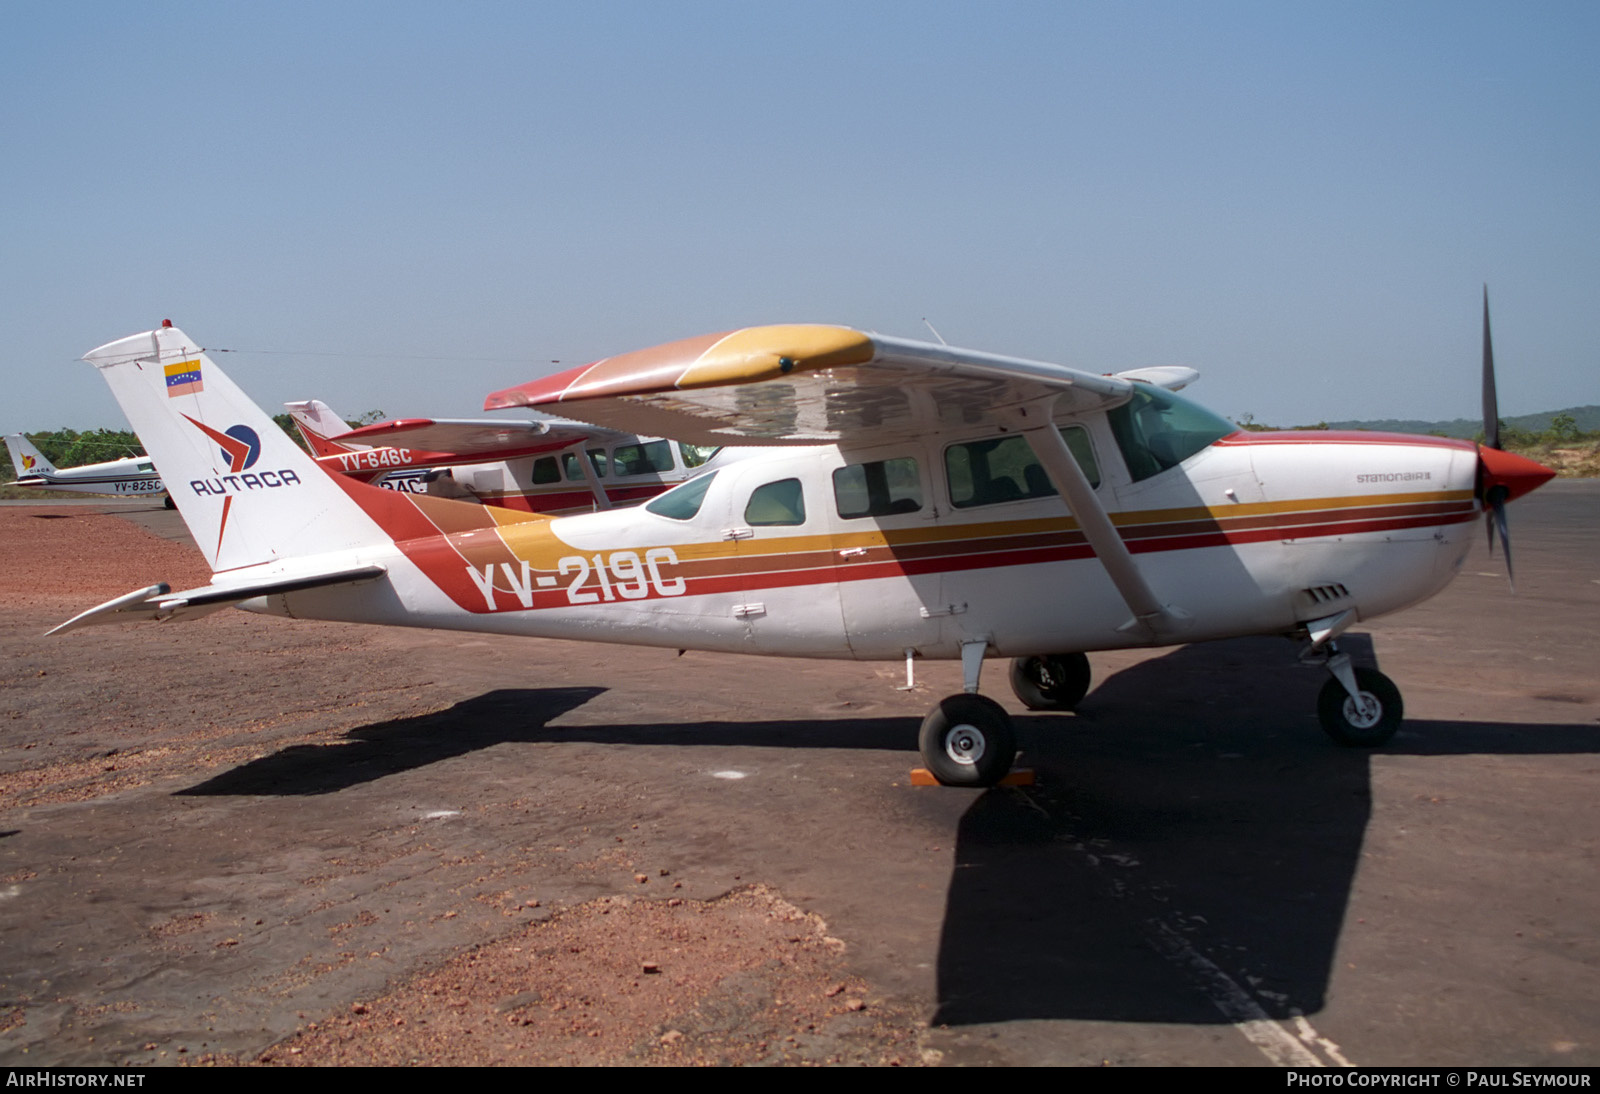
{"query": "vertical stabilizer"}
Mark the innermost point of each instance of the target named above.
(27, 459)
(248, 493)
(317, 422)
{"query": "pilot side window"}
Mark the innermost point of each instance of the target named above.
(597, 458)
(642, 459)
(545, 471)
(881, 489)
(775, 504)
(1002, 469)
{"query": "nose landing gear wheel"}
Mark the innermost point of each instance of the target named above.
(1368, 723)
(1054, 681)
(967, 740)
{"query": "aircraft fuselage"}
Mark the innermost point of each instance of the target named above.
(1253, 533)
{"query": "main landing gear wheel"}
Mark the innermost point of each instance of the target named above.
(967, 740)
(1055, 681)
(1366, 724)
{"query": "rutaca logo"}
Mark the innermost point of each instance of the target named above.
(245, 450)
(240, 448)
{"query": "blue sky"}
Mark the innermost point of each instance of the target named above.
(405, 206)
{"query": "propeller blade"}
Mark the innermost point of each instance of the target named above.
(1502, 475)
(1491, 405)
(1505, 536)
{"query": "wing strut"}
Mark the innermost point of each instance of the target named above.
(1070, 482)
(602, 500)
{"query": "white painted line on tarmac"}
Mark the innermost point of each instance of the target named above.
(1277, 1044)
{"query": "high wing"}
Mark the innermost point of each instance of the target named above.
(810, 385)
(822, 384)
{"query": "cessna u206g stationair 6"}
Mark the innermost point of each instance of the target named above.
(538, 467)
(923, 501)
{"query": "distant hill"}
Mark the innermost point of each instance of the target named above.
(1587, 417)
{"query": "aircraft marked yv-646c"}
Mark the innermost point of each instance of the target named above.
(536, 466)
(924, 502)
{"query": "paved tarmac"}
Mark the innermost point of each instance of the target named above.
(1199, 876)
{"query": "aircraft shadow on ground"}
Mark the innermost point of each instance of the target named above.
(388, 748)
(1190, 816)
(1191, 822)
(509, 716)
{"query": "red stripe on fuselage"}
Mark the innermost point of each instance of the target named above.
(429, 540)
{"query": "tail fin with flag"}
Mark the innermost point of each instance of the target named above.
(248, 493)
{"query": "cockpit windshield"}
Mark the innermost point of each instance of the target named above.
(1156, 430)
(683, 501)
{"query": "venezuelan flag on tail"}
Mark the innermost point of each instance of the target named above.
(184, 378)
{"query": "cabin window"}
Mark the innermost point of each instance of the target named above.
(881, 489)
(147, 466)
(597, 459)
(545, 470)
(776, 503)
(642, 459)
(1156, 430)
(682, 502)
(1004, 469)
(696, 454)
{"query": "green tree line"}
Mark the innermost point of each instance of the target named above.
(71, 448)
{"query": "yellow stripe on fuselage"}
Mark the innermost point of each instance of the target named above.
(541, 544)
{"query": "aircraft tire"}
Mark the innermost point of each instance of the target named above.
(1345, 723)
(169, 503)
(1055, 681)
(967, 740)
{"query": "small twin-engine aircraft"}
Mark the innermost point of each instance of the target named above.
(924, 502)
(132, 477)
(534, 466)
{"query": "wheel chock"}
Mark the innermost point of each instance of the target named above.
(1017, 776)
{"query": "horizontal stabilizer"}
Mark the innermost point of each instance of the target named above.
(160, 602)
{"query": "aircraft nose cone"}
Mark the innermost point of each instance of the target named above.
(1517, 474)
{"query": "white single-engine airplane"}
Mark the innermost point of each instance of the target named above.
(135, 476)
(537, 467)
(933, 502)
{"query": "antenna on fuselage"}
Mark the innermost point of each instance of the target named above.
(936, 334)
